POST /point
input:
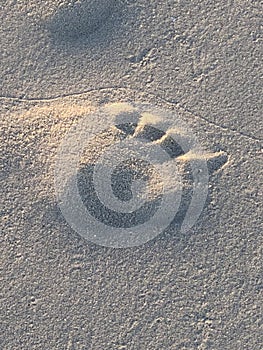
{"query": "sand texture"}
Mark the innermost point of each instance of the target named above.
(62, 62)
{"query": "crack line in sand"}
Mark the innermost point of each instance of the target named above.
(170, 101)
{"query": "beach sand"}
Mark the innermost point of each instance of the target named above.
(60, 63)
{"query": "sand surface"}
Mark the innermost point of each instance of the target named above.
(60, 63)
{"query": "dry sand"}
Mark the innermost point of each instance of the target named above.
(196, 290)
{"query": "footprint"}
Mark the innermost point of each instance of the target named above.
(79, 20)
